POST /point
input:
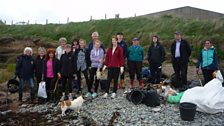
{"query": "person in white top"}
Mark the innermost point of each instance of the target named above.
(60, 49)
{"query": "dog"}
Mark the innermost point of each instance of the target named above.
(74, 105)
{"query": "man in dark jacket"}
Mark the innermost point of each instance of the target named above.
(156, 55)
(66, 70)
(25, 72)
(180, 51)
(123, 45)
(95, 36)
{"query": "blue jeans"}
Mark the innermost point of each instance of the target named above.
(31, 83)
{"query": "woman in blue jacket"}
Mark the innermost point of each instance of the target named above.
(207, 61)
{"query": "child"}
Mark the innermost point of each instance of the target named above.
(115, 64)
(135, 58)
(67, 71)
(82, 60)
(96, 57)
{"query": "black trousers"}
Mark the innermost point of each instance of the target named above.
(135, 67)
(85, 72)
(96, 84)
(207, 75)
(155, 73)
(64, 80)
(38, 80)
(180, 69)
(113, 73)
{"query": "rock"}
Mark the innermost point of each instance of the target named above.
(49, 121)
(157, 109)
(23, 105)
(5, 112)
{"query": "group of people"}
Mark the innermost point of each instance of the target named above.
(70, 61)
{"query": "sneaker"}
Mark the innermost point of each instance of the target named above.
(113, 95)
(94, 95)
(105, 95)
(62, 98)
(70, 97)
(127, 91)
(88, 95)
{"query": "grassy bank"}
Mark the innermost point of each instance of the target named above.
(194, 31)
(6, 74)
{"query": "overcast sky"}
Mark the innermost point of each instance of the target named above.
(80, 10)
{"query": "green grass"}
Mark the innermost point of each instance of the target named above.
(194, 31)
(6, 74)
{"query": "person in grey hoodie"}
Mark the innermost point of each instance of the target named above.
(96, 57)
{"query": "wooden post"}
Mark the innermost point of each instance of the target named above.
(91, 18)
(46, 21)
(12, 22)
(67, 19)
(105, 16)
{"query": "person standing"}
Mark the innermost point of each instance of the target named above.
(123, 45)
(135, 57)
(67, 71)
(96, 57)
(25, 72)
(61, 49)
(75, 45)
(82, 59)
(51, 72)
(95, 37)
(180, 51)
(39, 64)
(156, 56)
(207, 61)
(115, 64)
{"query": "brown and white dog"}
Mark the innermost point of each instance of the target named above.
(74, 105)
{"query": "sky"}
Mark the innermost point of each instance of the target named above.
(57, 11)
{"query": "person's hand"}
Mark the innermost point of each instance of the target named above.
(104, 67)
(101, 60)
(14, 76)
(74, 76)
(160, 67)
(199, 71)
(121, 70)
(59, 75)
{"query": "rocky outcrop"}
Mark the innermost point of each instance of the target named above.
(10, 48)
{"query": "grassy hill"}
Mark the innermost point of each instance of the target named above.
(194, 31)
(143, 27)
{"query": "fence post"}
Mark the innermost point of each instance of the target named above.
(67, 19)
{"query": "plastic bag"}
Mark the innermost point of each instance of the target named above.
(42, 90)
(219, 76)
(98, 75)
(175, 99)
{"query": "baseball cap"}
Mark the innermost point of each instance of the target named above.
(135, 39)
